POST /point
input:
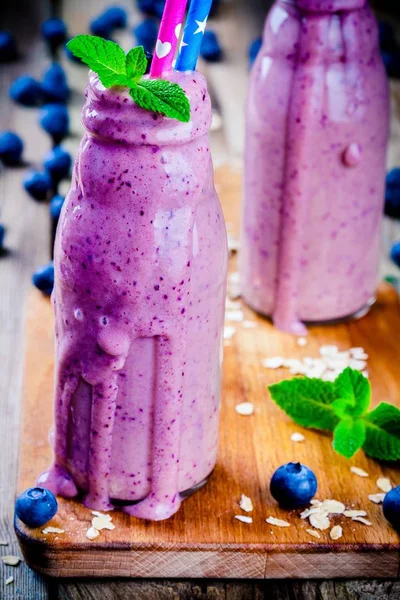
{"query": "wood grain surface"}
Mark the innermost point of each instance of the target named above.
(204, 539)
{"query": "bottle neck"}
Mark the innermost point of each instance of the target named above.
(327, 6)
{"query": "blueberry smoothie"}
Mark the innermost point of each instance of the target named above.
(317, 131)
(140, 277)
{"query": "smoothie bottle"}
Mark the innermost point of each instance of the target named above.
(140, 276)
(317, 131)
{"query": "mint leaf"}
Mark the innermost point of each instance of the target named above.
(348, 437)
(136, 63)
(307, 401)
(163, 97)
(383, 432)
(353, 393)
(104, 57)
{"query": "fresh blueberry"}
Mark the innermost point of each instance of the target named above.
(57, 163)
(71, 56)
(54, 31)
(146, 34)
(391, 60)
(38, 185)
(101, 26)
(54, 85)
(26, 90)
(54, 119)
(210, 47)
(293, 485)
(43, 278)
(8, 48)
(392, 194)
(149, 57)
(36, 506)
(214, 7)
(254, 49)
(56, 205)
(2, 236)
(116, 16)
(395, 254)
(11, 147)
(152, 7)
(387, 38)
(391, 507)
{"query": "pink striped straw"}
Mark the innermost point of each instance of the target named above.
(168, 35)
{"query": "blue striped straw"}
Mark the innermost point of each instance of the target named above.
(193, 35)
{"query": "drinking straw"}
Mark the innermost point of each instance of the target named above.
(168, 35)
(193, 35)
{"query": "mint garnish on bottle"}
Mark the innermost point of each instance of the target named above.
(115, 68)
(342, 406)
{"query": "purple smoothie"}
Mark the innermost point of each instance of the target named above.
(317, 131)
(140, 276)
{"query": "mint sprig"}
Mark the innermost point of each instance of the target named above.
(115, 68)
(342, 408)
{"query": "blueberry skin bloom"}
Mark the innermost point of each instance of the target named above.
(54, 31)
(11, 148)
(293, 485)
(36, 506)
(55, 206)
(54, 85)
(116, 16)
(101, 27)
(43, 278)
(391, 507)
(8, 48)
(146, 34)
(38, 185)
(26, 90)
(57, 163)
(54, 119)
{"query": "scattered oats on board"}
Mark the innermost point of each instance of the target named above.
(362, 520)
(9, 580)
(384, 484)
(319, 521)
(100, 523)
(11, 561)
(302, 341)
(277, 522)
(359, 472)
(244, 518)
(246, 503)
(245, 409)
(92, 533)
(314, 533)
(229, 332)
(53, 530)
(297, 437)
(377, 498)
(355, 513)
(336, 532)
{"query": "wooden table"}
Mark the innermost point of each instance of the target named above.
(28, 243)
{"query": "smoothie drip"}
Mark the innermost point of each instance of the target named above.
(139, 310)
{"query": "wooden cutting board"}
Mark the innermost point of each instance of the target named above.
(204, 539)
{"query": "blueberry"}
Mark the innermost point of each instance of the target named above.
(149, 57)
(387, 38)
(293, 485)
(391, 507)
(2, 236)
(214, 7)
(210, 47)
(395, 254)
(54, 119)
(36, 506)
(43, 278)
(146, 34)
(38, 185)
(54, 85)
(11, 147)
(56, 205)
(392, 194)
(116, 16)
(254, 49)
(71, 56)
(54, 31)
(8, 48)
(101, 26)
(391, 60)
(26, 90)
(152, 7)
(57, 163)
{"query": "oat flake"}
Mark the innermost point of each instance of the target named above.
(302, 341)
(92, 533)
(277, 522)
(362, 520)
(244, 519)
(245, 409)
(384, 484)
(9, 580)
(275, 362)
(359, 472)
(100, 523)
(377, 498)
(332, 507)
(319, 521)
(314, 533)
(229, 332)
(355, 513)
(297, 437)
(96, 513)
(3, 543)
(53, 530)
(246, 503)
(336, 532)
(11, 561)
